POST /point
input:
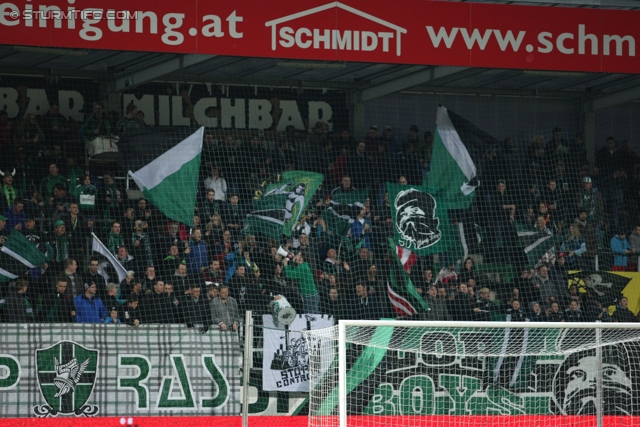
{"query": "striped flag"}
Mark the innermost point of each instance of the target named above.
(404, 298)
(20, 255)
(407, 258)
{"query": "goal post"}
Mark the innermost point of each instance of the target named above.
(416, 373)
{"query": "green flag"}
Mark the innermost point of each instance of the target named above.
(421, 221)
(345, 207)
(170, 181)
(458, 147)
(19, 255)
(278, 208)
(536, 244)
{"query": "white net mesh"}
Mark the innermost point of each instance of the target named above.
(423, 375)
(296, 171)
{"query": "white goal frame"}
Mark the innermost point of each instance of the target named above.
(342, 348)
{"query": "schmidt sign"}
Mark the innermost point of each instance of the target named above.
(369, 34)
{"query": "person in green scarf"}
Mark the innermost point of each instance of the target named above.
(86, 194)
(303, 275)
(8, 192)
(60, 244)
(115, 238)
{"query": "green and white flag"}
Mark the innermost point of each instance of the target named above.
(278, 208)
(99, 247)
(19, 255)
(421, 222)
(458, 147)
(170, 181)
(344, 208)
(535, 244)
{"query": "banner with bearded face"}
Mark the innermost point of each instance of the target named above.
(415, 219)
(421, 221)
(576, 381)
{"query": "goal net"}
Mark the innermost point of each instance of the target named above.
(386, 373)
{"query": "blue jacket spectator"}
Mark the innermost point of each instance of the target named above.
(621, 248)
(89, 307)
(15, 215)
(361, 229)
(196, 255)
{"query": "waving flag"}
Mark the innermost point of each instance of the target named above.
(404, 298)
(344, 208)
(99, 247)
(278, 208)
(421, 222)
(170, 181)
(19, 255)
(458, 148)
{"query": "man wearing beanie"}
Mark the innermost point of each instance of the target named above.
(89, 307)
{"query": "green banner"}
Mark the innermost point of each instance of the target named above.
(421, 221)
(467, 371)
(74, 370)
(279, 207)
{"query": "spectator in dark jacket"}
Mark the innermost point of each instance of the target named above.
(195, 308)
(484, 306)
(536, 314)
(437, 307)
(111, 301)
(573, 313)
(515, 313)
(334, 305)
(623, 314)
(461, 306)
(363, 306)
(17, 305)
(131, 313)
(158, 308)
(57, 305)
(239, 288)
(554, 314)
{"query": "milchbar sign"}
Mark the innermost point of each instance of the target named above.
(419, 32)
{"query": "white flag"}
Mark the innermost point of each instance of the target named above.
(97, 246)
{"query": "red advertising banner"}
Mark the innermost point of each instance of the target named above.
(411, 32)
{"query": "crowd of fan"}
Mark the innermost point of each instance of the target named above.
(209, 272)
